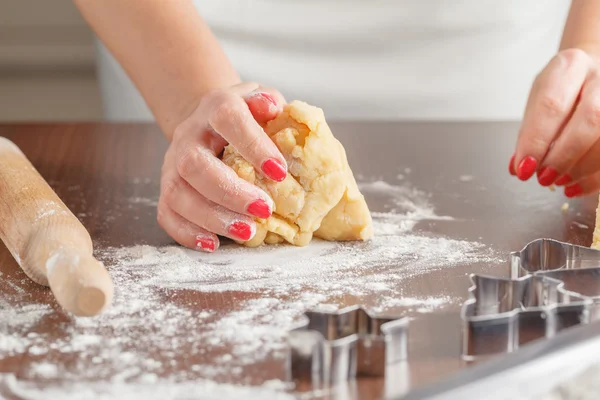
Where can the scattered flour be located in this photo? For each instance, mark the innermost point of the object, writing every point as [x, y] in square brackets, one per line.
[228, 312]
[423, 305]
[15, 324]
[410, 204]
[143, 201]
[43, 370]
[197, 389]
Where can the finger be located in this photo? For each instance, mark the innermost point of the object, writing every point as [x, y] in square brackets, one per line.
[580, 133]
[197, 123]
[230, 117]
[184, 232]
[192, 206]
[214, 180]
[552, 98]
[583, 187]
[244, 87]
[264, 103]
[511, 166]
[587, 165]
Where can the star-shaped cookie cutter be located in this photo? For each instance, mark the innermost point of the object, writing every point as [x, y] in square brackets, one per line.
[330, 347]
[552, 286]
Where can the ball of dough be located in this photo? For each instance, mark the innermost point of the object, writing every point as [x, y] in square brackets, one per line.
[319, 196]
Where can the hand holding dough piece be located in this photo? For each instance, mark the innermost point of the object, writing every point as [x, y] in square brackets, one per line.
[319, 196]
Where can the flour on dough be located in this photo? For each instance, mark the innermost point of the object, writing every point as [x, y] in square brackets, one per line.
[319, 196]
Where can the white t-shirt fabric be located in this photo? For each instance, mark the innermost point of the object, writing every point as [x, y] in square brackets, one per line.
[377, 59]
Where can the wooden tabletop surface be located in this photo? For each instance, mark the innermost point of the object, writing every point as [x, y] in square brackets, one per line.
[108, 175]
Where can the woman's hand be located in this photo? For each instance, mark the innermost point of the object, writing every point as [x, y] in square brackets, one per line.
[200, 196]
[560, 133]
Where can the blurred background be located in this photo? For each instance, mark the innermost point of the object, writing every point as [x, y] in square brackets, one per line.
[47, 67]
[51, 65]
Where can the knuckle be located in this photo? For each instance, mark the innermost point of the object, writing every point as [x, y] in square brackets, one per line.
[253, 147]
[573, 56]
[224, 112]
[553, 105]
[535, 144]
[170, 189]
[179, 130]
[188, 162]
[230, 191]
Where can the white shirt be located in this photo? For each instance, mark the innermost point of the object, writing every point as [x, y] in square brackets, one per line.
[378, 59]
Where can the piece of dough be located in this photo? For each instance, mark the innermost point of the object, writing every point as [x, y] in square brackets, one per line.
[596, 237]
[319, 196]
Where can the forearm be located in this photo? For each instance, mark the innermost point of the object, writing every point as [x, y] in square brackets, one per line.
[582, 29]
[167, 50]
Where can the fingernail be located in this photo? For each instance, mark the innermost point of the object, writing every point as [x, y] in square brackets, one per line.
[267, 100]
[267, 97]
[511, 166]
[241, 230]
[205, 244]
[573, 190]
[563, 180]
[526, 168]
[274, 169]
[546, 176]
[259, 208]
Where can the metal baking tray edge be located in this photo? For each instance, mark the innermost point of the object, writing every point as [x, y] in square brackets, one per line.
[508, 372]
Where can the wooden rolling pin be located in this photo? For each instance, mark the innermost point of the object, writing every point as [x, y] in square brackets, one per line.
[46, 239]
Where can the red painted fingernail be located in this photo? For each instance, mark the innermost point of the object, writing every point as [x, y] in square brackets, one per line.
[274, 169]
[573, 190]
[547, 175]
[259, 208]
[241, 230]
[511, 166]
[526, 168]
[205, 244]
[268, 97]
[563, 180]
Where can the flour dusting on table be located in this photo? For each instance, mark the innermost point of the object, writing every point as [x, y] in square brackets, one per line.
[166, 302]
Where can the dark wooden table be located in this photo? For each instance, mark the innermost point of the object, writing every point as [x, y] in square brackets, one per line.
[98, 168]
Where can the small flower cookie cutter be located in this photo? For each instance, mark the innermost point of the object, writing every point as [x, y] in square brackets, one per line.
[552, 286]
[332, 347]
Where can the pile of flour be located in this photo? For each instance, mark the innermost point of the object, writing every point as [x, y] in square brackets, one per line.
[164, 298]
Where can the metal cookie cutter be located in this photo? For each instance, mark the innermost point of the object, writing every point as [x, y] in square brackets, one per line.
[552, 286]
[330, 347]
[550, 255]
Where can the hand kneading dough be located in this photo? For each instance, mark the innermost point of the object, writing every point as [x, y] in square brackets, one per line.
[319, 195]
